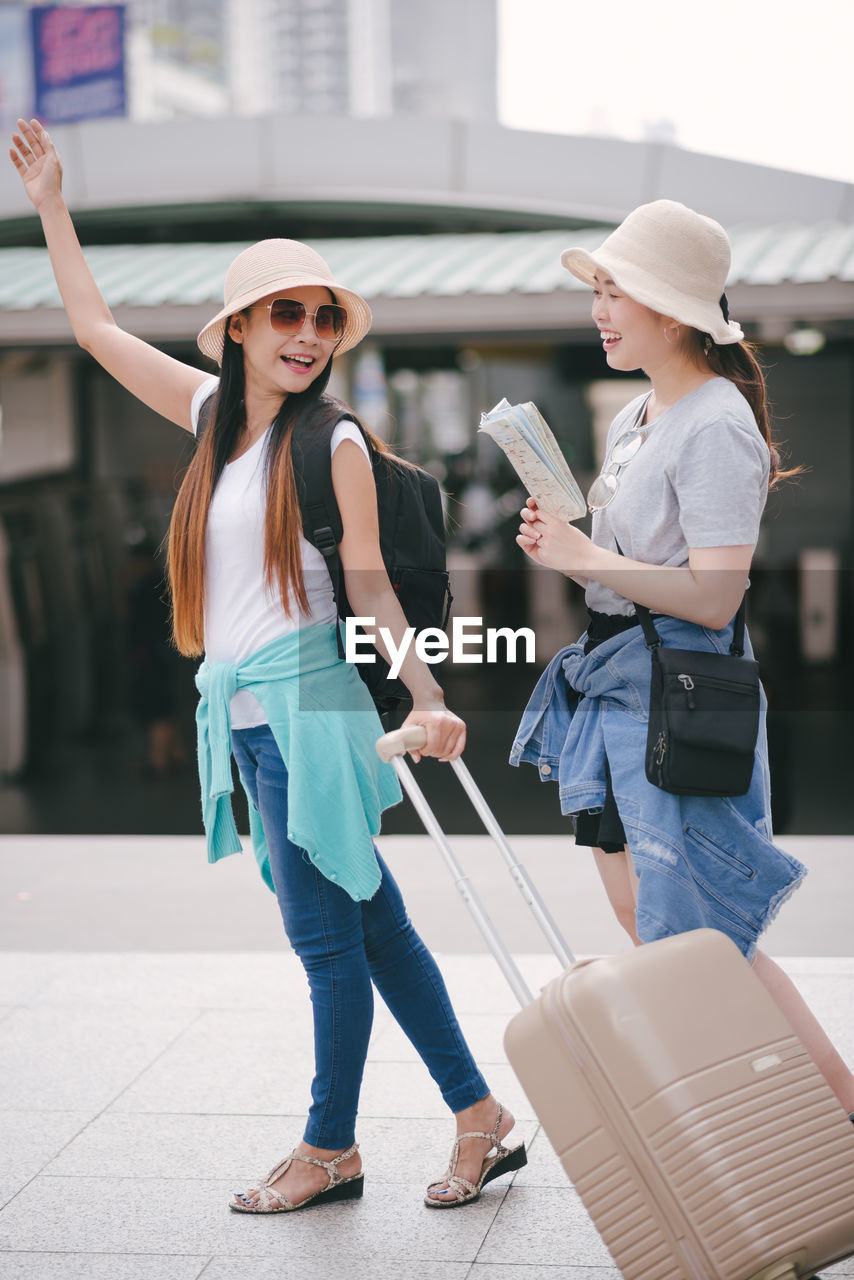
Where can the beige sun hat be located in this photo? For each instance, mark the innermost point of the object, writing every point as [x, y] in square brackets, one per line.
[669, 258]
[273, 265]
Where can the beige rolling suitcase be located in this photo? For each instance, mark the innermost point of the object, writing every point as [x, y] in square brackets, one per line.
[700, 1135]
[698, 1132]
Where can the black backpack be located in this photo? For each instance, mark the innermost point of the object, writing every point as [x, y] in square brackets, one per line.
[412, 531]
[412, 535]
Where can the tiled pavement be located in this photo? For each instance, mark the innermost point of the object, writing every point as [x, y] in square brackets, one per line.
[139, 1087]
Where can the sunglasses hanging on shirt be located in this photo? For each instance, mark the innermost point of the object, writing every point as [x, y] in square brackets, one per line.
[605, 486]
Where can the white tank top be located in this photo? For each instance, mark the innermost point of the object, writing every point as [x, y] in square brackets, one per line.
[242, 613]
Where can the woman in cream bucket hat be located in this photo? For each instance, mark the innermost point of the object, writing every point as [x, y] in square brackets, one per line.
[256, 598]
[668, 258]
[676, 511]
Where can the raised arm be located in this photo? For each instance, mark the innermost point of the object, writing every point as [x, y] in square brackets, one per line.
[164, 384]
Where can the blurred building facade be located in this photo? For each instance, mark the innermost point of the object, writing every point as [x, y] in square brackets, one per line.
[366, 58]
[314, 57]
[451, 227]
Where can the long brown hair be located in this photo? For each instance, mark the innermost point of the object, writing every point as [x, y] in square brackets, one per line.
[737, 361]
[187, 528]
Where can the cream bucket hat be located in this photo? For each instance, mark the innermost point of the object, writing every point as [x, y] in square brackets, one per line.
[669, 258]
[273, 266]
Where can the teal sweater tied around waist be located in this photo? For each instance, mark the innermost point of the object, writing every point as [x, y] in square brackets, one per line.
[326, 726]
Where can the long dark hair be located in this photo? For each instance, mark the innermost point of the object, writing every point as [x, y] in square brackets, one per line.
[282, 556]
[737, 361]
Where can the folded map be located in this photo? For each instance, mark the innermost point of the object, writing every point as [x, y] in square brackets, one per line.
[527, 440]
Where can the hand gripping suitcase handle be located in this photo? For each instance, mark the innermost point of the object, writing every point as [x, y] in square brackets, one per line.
[391, 747]
[400, 741]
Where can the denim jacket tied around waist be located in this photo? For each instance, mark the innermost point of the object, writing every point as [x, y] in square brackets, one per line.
[702, 862]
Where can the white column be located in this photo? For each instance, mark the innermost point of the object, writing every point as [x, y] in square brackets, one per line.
[819, 603]
[606, 398]
[369, 52]
[250, 41]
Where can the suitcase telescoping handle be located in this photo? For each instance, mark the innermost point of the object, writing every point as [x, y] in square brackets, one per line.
[391, 748]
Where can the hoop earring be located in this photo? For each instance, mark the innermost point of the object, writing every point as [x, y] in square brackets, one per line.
[676, 331]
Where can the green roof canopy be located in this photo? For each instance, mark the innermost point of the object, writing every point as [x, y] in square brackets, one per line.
[396, 272]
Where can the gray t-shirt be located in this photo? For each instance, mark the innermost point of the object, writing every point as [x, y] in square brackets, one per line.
[700, 479]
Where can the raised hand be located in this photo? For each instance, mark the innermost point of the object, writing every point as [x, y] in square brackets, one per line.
[36, 159]
[166, 385]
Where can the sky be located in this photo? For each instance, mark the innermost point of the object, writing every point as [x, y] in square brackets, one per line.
[766, 81]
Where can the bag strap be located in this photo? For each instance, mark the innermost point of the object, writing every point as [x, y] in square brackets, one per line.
[322, 525]
[653, 640]
[205, 415]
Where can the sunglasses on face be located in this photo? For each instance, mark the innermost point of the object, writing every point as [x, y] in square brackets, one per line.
[288, 316]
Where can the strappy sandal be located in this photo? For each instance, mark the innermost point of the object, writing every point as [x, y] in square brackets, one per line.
[338, 1188]
[504, 1160]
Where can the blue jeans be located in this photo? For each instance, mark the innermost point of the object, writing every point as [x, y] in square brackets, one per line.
[343, 946]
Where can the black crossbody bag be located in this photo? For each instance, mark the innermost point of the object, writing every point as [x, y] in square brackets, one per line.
[703, 714]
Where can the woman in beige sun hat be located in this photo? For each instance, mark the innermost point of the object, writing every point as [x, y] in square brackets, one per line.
[676, 512]
[252, 595]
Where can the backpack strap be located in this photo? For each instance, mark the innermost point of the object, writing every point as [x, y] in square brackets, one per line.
[206, 414]
[322, 526]
[312, 461]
